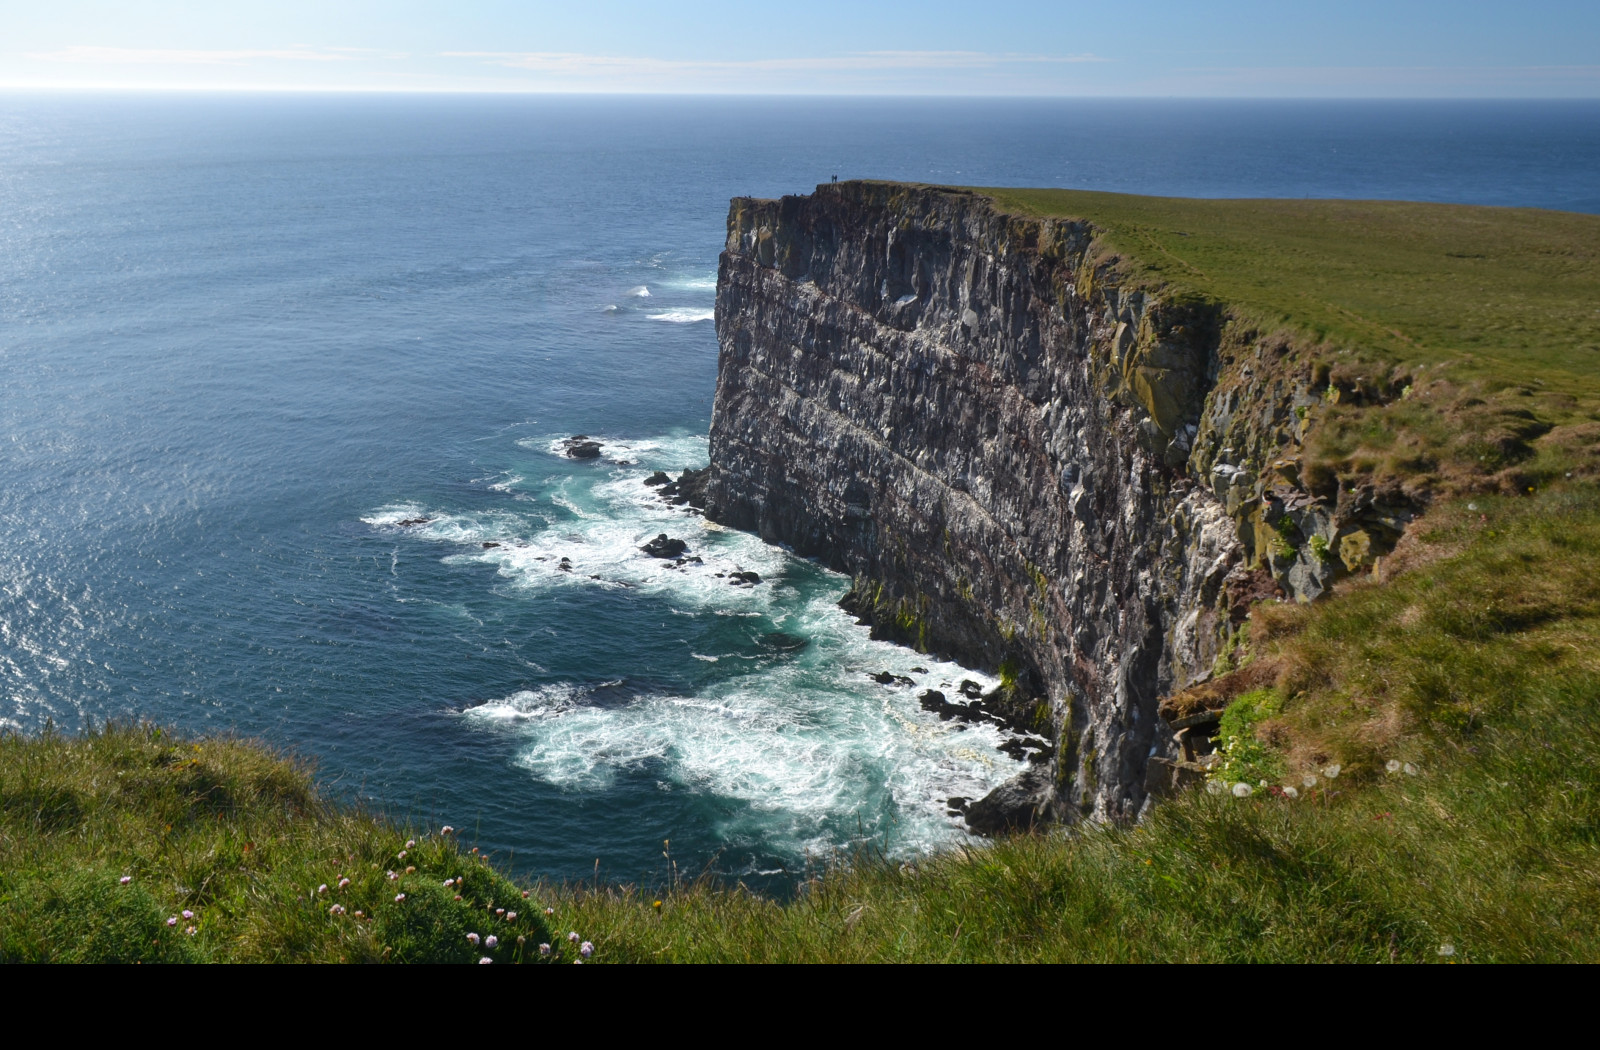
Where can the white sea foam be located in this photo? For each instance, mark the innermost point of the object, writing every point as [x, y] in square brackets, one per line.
[807, 743]
[683, 316]
[640, 291]
[700, 283]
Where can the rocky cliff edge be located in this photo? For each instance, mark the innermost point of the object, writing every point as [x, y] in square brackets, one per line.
[1022, 462]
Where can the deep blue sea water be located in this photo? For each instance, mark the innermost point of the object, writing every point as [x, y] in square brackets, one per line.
[241, 338]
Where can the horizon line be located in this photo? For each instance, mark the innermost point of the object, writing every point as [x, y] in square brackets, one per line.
[329, 89]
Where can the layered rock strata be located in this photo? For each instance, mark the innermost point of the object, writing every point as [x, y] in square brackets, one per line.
[1020, 464]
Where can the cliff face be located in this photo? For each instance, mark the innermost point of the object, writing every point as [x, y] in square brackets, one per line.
[1019, 464]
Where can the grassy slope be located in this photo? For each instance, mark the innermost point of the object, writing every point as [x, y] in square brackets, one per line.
[238, 837]
[1478, 666]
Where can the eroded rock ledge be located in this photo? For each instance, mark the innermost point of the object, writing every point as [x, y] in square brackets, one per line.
[1020, 465]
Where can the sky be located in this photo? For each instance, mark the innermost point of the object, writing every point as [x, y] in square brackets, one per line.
[1161, 48]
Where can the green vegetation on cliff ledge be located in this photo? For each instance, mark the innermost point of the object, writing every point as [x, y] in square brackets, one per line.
[1479, 666]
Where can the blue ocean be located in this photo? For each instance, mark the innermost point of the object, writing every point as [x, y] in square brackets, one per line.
[244, 338]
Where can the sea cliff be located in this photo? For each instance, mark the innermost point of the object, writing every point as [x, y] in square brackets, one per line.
[1026, 461]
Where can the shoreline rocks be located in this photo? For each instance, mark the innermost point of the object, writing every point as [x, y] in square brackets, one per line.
[664, 546]
[581, 446]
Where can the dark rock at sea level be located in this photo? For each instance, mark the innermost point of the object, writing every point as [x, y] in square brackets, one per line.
[1015, 805]
[581, 446]
[747, 578]
[690, 488]
[664, 546]
[660, 477]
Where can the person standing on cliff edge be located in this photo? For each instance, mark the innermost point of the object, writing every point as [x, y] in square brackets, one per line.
[836, 178]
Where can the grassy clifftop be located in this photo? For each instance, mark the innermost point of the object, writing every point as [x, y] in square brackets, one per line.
[1507, 293]
[1454, 347]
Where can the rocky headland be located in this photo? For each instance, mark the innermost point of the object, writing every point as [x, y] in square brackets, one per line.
[1029, 461]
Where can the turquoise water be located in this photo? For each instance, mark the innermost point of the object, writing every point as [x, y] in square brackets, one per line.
[241, 339]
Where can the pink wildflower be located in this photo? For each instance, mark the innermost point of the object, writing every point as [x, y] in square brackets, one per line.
[125, 880]
[446, 830]
[323, 888]
[190, 931]
[337, 909]
[399, 897]
[411, 843]
[544, 949]
[490, 941]
[573, 936]
[586, 949]
[472, 937]
[187, 914]
[173, 921]
[499, 911]
[343, 883]
[511, 916]
[485, 961]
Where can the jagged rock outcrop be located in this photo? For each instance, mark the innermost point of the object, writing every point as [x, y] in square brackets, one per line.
[1020, 464]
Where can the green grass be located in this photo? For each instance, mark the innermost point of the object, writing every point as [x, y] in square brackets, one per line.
[240, 838]
[1497, 292]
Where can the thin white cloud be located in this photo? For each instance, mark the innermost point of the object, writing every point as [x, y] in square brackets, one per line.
[114, 56]
[570, 63]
